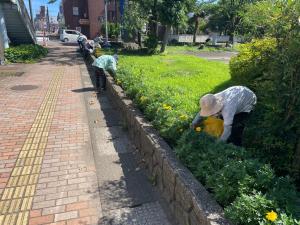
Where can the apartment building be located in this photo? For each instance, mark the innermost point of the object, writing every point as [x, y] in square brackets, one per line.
[87, 16]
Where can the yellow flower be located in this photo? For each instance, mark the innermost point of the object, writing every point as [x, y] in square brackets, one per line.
[198, 129]
[272, 216]
[143, 99]
[118, 82]
[183, 117]
[167, 107]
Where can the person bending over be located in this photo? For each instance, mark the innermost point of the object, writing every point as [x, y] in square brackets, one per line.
[104, 63]
[233, 105]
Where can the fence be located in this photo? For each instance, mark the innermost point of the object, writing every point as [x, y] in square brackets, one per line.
[188, 38]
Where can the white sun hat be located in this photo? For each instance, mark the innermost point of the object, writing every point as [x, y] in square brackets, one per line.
[210, 105]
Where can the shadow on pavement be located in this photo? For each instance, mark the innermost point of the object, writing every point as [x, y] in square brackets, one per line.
[61, 56]
[127, 196]
[88, 89]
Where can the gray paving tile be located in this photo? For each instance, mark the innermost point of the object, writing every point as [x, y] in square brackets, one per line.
[107, 118]
[122, 183]
[112, 140]
[146, 214]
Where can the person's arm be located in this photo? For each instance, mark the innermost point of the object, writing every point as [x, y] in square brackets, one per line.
[226, 133]
[113, 67]
[196, 121]
[228, 116]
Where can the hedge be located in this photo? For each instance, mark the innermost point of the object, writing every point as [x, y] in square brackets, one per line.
[25, 53]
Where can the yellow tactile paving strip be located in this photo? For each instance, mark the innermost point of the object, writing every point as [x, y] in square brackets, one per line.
[16, 199]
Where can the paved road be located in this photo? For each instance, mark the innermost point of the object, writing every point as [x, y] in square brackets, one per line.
[221, 56]
[64, 156]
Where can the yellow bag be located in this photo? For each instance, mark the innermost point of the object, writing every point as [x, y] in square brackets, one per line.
[213, 126]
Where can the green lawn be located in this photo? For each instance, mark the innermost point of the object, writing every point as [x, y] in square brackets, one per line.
[177, 80]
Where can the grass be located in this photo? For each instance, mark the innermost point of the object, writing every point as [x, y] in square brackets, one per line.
[167, 89]
[188, 77]
[177, 80]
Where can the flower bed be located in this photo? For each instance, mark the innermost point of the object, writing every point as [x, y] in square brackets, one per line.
[167, 90]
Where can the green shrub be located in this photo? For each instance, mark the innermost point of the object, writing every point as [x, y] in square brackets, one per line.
[230, 172]
[252, 210]
[151, 44]
[269, 68]
[25, 53]
[250, 66]
[249, 209]
[113, 29]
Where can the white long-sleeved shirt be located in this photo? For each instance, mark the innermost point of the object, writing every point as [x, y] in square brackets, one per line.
[235, 100]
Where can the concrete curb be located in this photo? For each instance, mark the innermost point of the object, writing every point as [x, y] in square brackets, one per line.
[188, 200]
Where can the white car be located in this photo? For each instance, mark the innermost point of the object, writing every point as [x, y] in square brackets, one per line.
[70, 35]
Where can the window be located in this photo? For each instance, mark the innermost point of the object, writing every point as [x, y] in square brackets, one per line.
[70, 32]
[75, 11]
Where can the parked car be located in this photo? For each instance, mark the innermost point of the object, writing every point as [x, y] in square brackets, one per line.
[70, 35]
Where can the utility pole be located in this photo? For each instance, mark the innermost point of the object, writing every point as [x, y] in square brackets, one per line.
[48, 21]
[106, 31]
[30, 9]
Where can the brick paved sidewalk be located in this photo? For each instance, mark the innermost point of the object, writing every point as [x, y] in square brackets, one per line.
[47, 171]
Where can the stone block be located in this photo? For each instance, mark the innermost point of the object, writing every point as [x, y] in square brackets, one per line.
[183, 195]
[157, 171]
[180, 214]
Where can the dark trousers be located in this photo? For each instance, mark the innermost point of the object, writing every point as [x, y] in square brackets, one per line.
[100, 78]
[238, 126]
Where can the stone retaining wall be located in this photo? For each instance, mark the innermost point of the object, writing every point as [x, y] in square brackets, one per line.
[188, 200]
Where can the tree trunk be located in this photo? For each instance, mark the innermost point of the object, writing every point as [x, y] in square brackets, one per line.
[153, 19]
[196, 29]
[139, 39]
[165, 38]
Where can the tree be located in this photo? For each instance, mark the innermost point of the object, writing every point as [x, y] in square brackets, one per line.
[134, 20]
[257, 21]
[200, 10]
[173, 13]
[227, 15]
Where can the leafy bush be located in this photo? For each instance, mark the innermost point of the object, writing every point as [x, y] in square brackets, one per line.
[25, 53]
[253, 210]
[246, 187]
[113, 29]
[272, 133]
[253, 61]
[151, 44]
[249, 209]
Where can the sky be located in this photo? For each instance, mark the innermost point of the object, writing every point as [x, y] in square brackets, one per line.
[53, 8]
